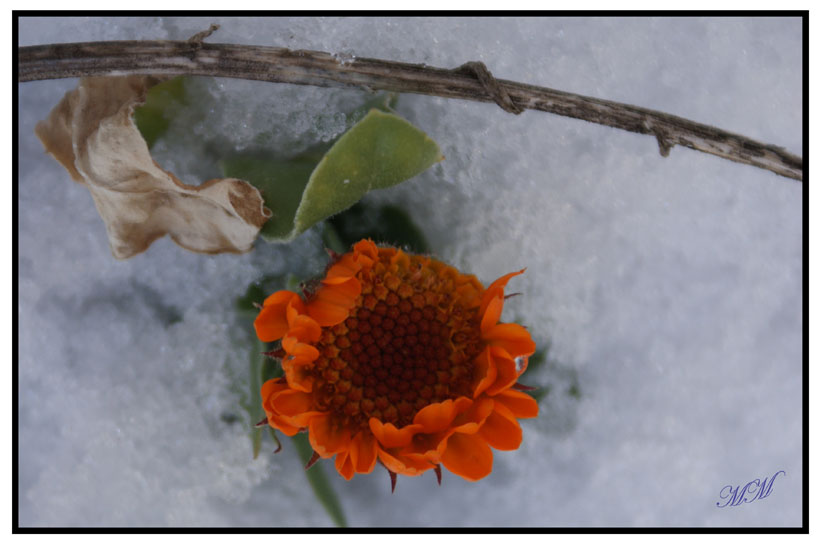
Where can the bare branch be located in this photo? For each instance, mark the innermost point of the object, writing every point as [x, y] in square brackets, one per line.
[471, 81]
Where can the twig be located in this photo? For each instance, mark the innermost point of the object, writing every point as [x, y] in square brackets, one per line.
[470, 81]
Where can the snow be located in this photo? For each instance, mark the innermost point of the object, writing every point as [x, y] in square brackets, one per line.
[670, 289]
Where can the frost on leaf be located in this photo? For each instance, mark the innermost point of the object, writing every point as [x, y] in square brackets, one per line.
[91, 133]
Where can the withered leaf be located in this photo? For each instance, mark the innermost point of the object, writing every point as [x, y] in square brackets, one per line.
[91, 133]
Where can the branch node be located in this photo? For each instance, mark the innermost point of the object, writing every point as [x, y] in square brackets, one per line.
[491, 85]
[197, 39]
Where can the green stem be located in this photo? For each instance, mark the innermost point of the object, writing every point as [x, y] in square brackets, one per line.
[255, 404]
[319, 482]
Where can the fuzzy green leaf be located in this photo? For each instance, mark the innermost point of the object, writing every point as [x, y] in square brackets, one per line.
[379, 151]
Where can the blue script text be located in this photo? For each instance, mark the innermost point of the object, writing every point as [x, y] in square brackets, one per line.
[757, 490]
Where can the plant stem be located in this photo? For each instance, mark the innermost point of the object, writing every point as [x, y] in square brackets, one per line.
[471, 81]
[319, 482]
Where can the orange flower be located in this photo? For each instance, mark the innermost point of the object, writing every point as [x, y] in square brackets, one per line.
[398, 358]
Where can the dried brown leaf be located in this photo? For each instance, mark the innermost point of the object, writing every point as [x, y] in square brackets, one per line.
[92, 134]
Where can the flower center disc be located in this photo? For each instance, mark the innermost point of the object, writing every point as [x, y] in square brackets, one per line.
[410, 340]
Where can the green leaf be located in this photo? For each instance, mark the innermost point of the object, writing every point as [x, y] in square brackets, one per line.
[260, 367]
[379, 151]
[256, 442]
[319, 482]
[152, 117]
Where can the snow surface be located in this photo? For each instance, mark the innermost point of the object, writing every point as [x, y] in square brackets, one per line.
[670, 289]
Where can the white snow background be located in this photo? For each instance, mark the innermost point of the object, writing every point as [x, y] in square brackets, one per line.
[670, 289]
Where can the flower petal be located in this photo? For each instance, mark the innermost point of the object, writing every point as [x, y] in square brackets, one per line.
[506, 371]
[327, 436]
[426, 447]
[272, 322]
[271, 387]
[389, 436]
[367, 249]
[438, 416]
[485, 371]
[514, 338]
[270, 390]
[299, 353]
[303, 327]
[283, 297]
[364, 452]
[494, 289]
[390, 461]
[342, 271]
[468, 456]
[501, 429]
[298, 376]
[470, 421]
[331, 303]
[292, 403]
[520, 404]
[345, 465]
[492, 313]
[286, 409]
[287, 429]
[404, 464]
